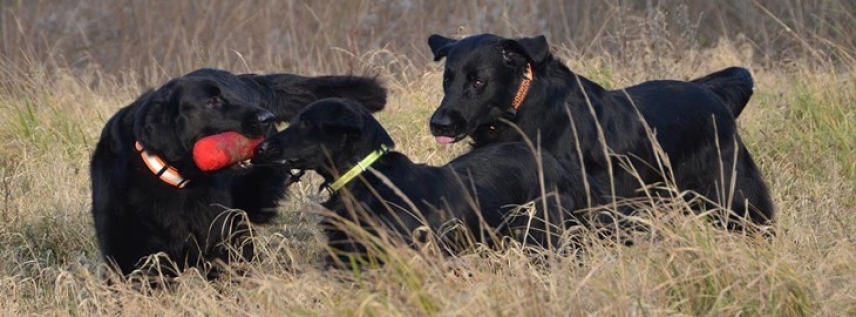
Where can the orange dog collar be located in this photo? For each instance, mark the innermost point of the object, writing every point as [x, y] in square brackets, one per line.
[161, 169]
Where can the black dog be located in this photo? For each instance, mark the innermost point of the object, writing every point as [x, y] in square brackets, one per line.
[491, 83]
[148, 196]
[477, 190]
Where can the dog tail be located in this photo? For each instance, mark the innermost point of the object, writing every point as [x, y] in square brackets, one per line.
[369, 91]
[291, 93]
[734, 85]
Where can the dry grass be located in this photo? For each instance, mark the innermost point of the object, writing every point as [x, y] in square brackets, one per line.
[67, 66]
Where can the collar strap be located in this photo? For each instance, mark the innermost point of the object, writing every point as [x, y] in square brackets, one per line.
[167, 174]
[528, 76]
[358, 169]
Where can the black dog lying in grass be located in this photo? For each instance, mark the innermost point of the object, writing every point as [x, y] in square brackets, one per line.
[492, 83]
[374, 188]
[148, 195]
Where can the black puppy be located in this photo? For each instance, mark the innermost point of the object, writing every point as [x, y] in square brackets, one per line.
[148, 196]
[491, 82]
[374, 187]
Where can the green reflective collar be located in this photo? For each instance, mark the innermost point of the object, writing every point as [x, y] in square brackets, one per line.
[358, 169]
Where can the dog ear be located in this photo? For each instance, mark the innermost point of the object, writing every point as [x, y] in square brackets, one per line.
[378, 134]
[359, 128]
[528, 49]
[118, 132]
[440, 45]
[155, 121]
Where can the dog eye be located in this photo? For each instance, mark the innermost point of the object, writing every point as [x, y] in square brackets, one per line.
[478, 84]
[214, 102]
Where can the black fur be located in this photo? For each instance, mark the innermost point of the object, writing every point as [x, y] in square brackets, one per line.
[136, 214]
[694, 122]
[330, 136]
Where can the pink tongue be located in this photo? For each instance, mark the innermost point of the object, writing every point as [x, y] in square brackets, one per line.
[444, 139]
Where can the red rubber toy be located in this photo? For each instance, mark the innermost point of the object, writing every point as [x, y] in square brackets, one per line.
[217, 151]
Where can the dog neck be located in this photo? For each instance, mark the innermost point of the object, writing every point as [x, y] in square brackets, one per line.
[522, 91]
[161, 169]
[358, 169]
[528, 76]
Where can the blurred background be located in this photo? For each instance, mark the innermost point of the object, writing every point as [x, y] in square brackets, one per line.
[149, 41]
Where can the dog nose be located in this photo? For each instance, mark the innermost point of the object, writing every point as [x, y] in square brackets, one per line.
[265, 116]
[441, 124]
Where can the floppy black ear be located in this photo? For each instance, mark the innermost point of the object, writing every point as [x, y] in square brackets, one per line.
[155, 122]
[440, 45]
[361, 129]
[345, 124]
[528, 49]
[118, 132]
[376, 135]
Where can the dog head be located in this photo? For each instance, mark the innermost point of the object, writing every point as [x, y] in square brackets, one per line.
[175, 116]
[329, 131]
[482, 76]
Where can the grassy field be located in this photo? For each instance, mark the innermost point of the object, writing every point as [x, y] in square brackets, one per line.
[66, 66]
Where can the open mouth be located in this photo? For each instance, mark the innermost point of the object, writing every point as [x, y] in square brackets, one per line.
[295, 173]
[241, 166]
[289, 161]
[244, 164]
